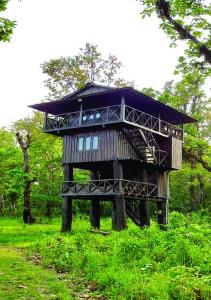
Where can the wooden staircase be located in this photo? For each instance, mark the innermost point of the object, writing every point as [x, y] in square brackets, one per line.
[146, 147]
[133, 211]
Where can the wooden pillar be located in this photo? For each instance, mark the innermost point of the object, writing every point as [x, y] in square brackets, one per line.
[45, 120]
[144, 205]
[95, 207]
[162, 214]
[95, 214]
[163, 192]
[119, 221]
[144, 213]
[67, 201]
[122, 114]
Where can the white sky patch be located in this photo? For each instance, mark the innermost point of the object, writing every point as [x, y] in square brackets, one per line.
[48, 28]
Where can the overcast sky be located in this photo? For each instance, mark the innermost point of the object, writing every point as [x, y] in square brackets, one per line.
[50, 28]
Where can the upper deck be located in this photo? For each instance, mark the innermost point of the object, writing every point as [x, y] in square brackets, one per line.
[116, 114]
[102, 106]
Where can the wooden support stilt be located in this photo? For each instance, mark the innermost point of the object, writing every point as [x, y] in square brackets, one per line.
[67, 201]
[162, 214]
[144, 213]
[119, 221]
[95, 214]
[144, 205]
[162, 206]
[95, 210]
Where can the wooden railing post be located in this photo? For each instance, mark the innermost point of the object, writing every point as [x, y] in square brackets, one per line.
[45, 119]
[81, 114]
[122, 110]
[159, 124]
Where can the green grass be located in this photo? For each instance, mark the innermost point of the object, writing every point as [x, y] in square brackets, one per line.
[133, 264]
[20, 279]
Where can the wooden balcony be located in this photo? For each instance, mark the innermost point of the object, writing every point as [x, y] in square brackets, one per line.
[109, 187]
[110, 115]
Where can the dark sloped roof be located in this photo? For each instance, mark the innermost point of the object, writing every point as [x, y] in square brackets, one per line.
[95, 95]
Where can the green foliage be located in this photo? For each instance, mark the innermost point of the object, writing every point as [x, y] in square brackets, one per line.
[6, 25]
[137, 264]
[66, 74]
[185, 20]
[11, 175]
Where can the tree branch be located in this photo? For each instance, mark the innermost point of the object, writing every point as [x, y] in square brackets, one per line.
[191, 156]
[164, 11]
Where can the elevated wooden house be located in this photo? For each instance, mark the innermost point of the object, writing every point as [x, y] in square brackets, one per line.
[127, 140]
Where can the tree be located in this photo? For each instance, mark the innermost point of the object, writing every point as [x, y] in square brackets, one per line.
[42, 168]
[25, 143]
[6, 25]
[185, 20]
[188, 96]
[66, 74]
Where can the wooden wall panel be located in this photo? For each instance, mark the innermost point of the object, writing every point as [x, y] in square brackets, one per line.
[162, 181]
[107, 149]
[176, 154]
[124, 149]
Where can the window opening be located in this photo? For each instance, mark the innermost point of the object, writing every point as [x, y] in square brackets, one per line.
[95, 142]
[88, 143]
[80, 144]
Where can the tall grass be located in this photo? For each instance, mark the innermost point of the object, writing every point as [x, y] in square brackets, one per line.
[137, 264]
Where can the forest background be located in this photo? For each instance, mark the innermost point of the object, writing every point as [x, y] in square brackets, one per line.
[41, 175]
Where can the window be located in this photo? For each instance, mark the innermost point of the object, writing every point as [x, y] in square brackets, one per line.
[88, 143]
[95, 142]
[80, 144]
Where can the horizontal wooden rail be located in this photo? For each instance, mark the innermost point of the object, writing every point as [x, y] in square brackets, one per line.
[135, 116]
[110, 187]
[111, 114]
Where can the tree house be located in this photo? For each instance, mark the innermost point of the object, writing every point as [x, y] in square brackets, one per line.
[128, 141]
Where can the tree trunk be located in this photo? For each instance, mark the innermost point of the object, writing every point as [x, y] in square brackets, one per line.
[48, 209]
[25, 144]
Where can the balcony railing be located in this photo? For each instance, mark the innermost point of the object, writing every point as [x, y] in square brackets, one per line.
[111, 114]
[112, 187]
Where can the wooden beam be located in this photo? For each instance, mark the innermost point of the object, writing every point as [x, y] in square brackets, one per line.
[144, 213]
[162, 212]
[95, 214]
[163, 192]
[67, 201]
[122, 114]
[119, 221]
[144, 204]
[95, 206]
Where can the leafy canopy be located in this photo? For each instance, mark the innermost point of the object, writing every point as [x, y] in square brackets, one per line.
[187, 20]
[66, 74]
[6, 25]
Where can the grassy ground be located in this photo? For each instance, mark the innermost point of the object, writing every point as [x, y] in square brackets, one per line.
[134, 264]
[20, 278]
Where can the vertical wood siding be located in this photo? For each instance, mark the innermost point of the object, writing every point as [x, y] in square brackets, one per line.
[124, 149]
[176, 154]
[106, 147]
[112, 145]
